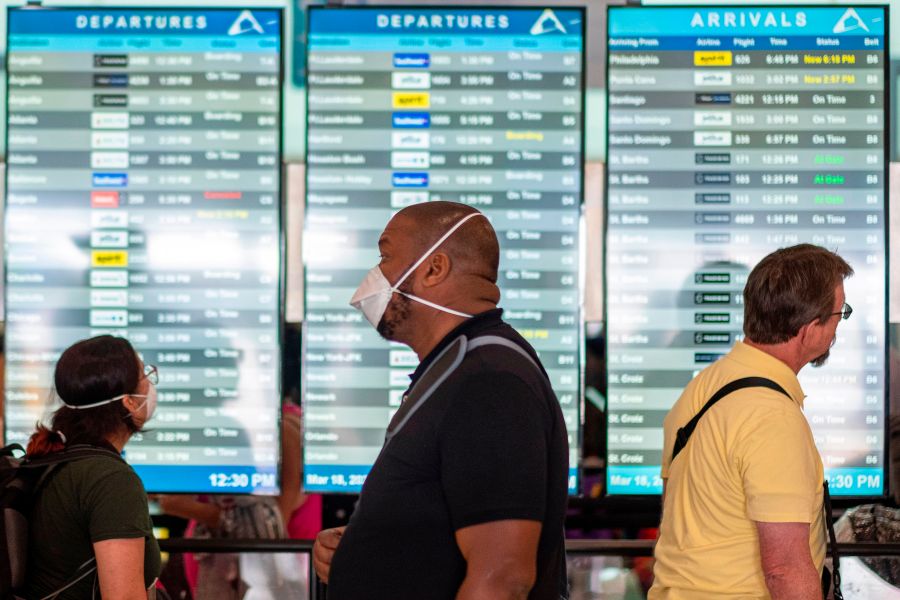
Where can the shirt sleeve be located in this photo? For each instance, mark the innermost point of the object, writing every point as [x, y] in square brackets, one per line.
[116, 505]
[493, 449]
[680, 414]
[778, 468]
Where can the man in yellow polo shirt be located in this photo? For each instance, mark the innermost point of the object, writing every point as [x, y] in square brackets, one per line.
[742, 509]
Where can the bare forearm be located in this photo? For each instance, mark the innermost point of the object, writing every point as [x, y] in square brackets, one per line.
[203, 512]
[786, 561]
[799, 583]
[487, 589]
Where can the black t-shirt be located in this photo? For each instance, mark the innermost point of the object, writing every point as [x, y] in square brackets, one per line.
[489, 444]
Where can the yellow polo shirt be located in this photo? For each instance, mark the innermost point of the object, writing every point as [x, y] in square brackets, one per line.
[751, 458]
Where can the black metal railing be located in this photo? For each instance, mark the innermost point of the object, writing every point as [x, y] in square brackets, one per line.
[317, 590]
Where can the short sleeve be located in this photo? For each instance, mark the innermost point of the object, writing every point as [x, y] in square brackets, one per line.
[493, 449]
[680, 415]
[778, 468]
[116, 505]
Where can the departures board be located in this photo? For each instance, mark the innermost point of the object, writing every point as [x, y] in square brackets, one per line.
[734, 131]
[410, 105]
[143, 200]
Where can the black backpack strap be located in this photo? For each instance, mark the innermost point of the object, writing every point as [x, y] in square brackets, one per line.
[50, 462]
[684, 433]
[71, 453]
[835, 557]
[11, 450]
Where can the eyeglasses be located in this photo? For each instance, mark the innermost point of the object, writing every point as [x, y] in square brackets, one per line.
[151, 373]
[845, 312]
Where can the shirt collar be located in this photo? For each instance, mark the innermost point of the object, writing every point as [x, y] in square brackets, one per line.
[769, 366]
[470, 328]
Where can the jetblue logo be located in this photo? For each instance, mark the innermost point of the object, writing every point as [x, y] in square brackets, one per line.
[411, 120]
[412, 180]
[110, 179]
[412, 61]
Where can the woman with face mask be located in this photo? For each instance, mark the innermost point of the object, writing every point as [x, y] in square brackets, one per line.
[90, 533]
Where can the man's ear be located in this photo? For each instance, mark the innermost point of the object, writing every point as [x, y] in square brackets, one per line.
[808, 334]
[438, 270]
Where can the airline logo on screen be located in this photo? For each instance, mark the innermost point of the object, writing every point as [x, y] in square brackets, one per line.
[246, 22]
[548, 22]
[850, 21]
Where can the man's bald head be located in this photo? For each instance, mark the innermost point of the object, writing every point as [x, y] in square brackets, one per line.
[449, 283]
[473, 248]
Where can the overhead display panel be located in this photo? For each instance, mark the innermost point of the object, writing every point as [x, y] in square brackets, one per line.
[735, 131]
[143, 200]
[409, 105]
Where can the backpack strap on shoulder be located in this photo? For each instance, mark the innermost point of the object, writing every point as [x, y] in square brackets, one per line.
[71, 453]
[684, 433]
[496, 340]
[51, 462]
[11, 450]
[441, 368]
[434, 376]
[87, 568]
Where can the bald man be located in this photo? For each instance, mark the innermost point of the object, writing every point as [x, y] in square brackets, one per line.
[467, 497]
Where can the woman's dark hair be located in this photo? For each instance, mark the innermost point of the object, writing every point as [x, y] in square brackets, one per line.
[89, 371]
[790, 288]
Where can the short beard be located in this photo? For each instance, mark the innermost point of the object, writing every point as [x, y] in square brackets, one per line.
[821, 359]
[398, 311]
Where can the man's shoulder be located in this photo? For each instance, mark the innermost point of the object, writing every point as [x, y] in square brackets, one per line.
[749, 402]
[502, 349]
[504, 366]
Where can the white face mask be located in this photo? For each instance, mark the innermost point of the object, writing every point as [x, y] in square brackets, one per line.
[374, 293]
[149, 400]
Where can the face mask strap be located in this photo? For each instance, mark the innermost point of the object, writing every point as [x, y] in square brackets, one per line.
[434, 247]
[435, 306]
[102, 402]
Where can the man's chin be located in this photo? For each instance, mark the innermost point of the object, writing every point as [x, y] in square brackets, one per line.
[396, 313]
[386, 330]
[820, 360]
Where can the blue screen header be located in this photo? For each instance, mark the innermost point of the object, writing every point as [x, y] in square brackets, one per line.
[829, 21]
[449, 21]
[237, 24]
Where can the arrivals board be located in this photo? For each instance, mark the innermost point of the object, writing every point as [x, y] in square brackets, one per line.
[409, 105]
[735, 131]
[143, 200]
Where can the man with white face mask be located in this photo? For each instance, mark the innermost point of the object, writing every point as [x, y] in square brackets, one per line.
[467, 497]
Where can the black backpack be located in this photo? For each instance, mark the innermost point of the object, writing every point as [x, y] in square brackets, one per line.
[21, 479]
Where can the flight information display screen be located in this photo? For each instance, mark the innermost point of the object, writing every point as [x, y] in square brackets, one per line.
[143, 200]
[733, 132]
[410, 105]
